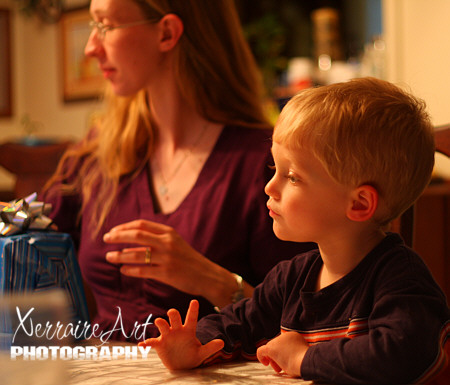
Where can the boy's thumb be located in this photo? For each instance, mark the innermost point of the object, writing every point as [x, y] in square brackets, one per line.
[211, 348]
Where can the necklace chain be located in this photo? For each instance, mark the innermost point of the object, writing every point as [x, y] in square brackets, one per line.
[163, 188]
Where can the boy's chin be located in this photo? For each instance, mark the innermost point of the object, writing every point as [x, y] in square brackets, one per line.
[283, 236]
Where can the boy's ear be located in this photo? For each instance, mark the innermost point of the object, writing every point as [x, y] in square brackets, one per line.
[364, 203]
[171, 29]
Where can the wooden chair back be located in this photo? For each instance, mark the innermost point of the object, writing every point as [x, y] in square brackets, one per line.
[406, 225]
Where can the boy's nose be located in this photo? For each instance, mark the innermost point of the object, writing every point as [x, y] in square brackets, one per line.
[271, 189]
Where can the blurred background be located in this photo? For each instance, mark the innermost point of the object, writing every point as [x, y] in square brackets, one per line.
[297, 43]
[49, 93]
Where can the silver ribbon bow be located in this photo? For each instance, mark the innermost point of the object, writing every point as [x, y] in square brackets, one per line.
[24, 214]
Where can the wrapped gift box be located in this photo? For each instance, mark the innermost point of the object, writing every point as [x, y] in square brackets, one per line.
[35, 259]
[38, 261]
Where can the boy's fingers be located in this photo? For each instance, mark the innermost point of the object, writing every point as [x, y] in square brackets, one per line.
[175, 319]
[275, 366]
[162, 326]
[261, 354]
[149, 342]
[192, 315]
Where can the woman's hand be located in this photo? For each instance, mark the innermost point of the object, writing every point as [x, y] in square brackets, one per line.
[177, 346]
[172, 261]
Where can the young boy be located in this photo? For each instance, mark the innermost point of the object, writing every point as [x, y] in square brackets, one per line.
[363, 308]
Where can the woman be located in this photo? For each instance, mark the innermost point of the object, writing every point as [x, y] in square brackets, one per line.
[169, 186]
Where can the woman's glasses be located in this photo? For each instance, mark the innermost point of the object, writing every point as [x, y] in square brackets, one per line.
[103, 28]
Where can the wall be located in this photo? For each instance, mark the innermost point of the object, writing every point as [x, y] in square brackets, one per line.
[418, 54]
[417, 34]
[37, 85]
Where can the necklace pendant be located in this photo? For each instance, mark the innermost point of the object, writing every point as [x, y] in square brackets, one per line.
[163, 189]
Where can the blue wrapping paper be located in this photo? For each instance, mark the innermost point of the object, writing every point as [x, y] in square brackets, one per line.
[39, 261]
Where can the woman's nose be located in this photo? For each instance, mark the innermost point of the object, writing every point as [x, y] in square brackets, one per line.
[93, 47]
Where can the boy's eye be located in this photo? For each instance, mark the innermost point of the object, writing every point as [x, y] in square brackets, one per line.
[292, 178]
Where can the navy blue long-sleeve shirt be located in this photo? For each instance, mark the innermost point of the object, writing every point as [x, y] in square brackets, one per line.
[386, 321]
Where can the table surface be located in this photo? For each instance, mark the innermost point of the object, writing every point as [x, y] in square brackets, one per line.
[151, 371]
[148, 371]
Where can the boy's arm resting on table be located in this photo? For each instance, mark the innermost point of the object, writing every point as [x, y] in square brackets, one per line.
[401, 340]
[249, 323]
[407, 330]
[235, 331]
[407, 326]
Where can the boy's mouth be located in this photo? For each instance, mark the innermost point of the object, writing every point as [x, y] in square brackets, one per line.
[272, 213]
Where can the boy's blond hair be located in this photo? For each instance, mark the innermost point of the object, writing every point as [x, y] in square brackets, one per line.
[365, 131]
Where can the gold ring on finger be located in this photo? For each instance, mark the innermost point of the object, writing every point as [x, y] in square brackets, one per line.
[148, 256]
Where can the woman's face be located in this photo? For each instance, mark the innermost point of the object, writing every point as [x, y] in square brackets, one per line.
[129, 57]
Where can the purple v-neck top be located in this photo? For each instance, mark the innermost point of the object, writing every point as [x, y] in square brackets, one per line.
[224, 217]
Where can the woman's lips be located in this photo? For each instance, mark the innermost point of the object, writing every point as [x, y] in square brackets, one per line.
[107, 72]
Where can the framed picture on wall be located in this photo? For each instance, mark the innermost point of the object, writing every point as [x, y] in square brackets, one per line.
[82, 79]
[5, 63]
[69, 5]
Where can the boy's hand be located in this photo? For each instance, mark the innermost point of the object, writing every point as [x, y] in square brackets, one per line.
[177, 346]
[284, 353]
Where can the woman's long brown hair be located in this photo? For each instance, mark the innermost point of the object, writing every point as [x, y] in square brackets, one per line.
[217, 75]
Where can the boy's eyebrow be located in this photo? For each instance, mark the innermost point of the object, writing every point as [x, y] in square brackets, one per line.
[271, 147]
